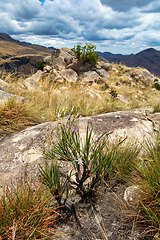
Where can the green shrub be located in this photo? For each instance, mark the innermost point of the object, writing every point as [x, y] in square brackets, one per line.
[113, 93]
[86, 53]
[155, 80]
[157, 86]
[51, 177]
[40, 64]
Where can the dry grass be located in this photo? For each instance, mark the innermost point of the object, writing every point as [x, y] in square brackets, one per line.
[53, 100]
[15, 117]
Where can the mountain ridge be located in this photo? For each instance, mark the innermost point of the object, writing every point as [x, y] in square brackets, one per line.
[148, 58]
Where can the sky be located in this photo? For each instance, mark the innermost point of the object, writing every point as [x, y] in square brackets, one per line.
[117, 26]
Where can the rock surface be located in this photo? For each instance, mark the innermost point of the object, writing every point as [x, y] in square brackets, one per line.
[23, 151]
[32, 82]
[4, 97]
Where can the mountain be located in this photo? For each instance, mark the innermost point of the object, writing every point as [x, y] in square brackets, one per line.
[108, 55]
[10, 47]
[148, 58]
[22, 57]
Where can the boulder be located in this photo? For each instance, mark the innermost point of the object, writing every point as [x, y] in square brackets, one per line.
[69, 75]
[32, 82]
[102, 72]
[47, 59]
[105, 65]
[22, 151]
[65, 53]
[4, 97]
[59, 63]
[92, 75]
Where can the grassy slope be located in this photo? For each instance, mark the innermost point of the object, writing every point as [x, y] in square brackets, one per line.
[8, 48]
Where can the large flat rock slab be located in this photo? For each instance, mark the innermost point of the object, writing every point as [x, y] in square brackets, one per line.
[20, 153]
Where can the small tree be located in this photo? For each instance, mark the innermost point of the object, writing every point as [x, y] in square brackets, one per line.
[87, 53]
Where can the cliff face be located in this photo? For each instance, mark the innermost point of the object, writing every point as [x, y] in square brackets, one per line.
[25, 64]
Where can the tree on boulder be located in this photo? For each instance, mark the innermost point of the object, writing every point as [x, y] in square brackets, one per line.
[86, 53]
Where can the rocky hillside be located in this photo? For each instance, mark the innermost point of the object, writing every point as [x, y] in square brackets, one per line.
[62, 66]
[100, 81]
[16, 56]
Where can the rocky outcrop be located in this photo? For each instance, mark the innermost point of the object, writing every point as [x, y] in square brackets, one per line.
[140, 74]
[71, 69]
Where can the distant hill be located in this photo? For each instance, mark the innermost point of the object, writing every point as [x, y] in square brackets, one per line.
[22, 57]
[108, 55]
[10, 47]
[148, 58]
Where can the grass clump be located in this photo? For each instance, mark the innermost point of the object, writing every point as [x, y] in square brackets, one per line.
[24, 212]
[91, 160]
[148, 180]
[14, 116]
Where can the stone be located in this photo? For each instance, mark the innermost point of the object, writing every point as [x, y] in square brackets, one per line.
[32, 82]
[118, 84]
[65, 53]
[131, 195]
[23, 151]
[4, 97]
[90, 75]
[103, 73]
[59, 63]
[47, 59]
[106, 66]
[140, 74]
[69, 75]
[123, 98]
[101, 80]
[47, 69]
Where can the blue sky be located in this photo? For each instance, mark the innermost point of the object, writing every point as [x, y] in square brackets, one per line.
[118, 26]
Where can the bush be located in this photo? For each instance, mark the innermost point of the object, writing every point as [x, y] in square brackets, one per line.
[86, 53]
[113, 93]
[40, 64]
[157, 86]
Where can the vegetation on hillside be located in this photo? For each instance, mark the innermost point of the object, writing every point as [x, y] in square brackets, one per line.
[57, 99]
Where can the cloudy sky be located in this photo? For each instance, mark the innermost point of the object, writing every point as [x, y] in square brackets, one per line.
[117, 26]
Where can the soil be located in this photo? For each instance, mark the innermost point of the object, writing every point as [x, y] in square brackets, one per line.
[105, 218]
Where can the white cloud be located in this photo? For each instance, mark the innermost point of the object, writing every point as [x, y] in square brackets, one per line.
[106, 23]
